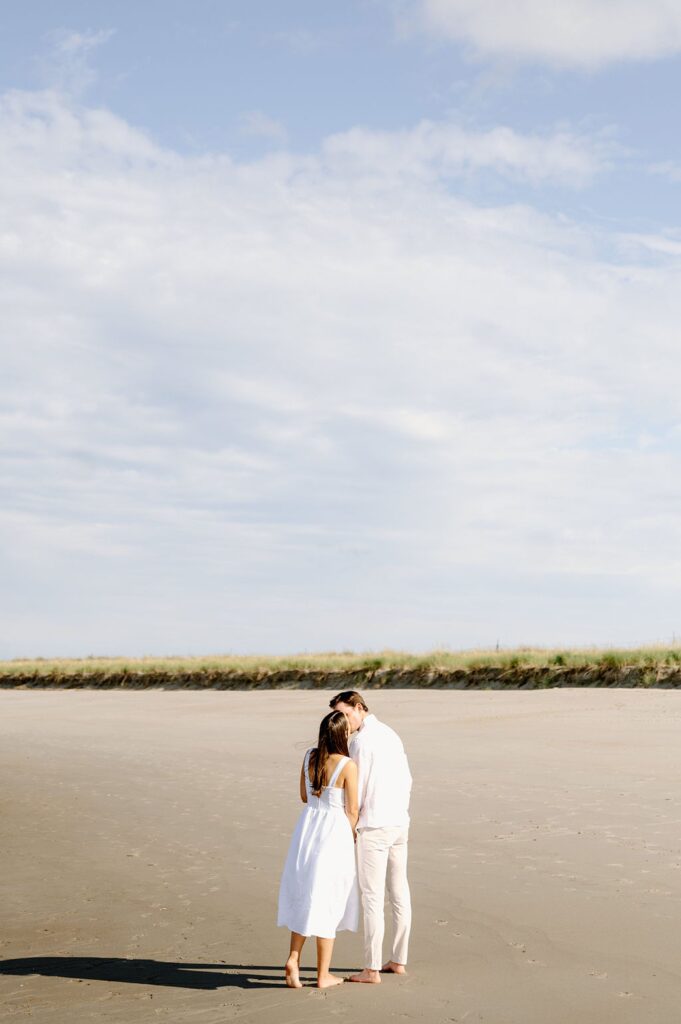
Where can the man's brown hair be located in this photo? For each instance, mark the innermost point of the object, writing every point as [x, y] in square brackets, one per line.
[351, 697]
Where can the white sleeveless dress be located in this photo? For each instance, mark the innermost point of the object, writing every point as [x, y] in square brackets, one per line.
[318, 894]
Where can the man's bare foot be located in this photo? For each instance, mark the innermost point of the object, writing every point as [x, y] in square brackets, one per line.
[292, 976]
[328, 981]
[393, 968]
[367, 977]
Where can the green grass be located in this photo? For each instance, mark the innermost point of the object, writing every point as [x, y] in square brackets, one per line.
[348, 661]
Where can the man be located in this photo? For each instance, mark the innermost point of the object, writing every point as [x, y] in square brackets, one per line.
[384, 787]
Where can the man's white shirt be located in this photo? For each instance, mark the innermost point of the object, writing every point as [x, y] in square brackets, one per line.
[384, 779]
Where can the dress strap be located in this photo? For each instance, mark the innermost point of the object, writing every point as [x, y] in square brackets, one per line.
[339, 769]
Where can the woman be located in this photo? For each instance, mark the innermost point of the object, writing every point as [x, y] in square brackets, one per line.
[319, 894]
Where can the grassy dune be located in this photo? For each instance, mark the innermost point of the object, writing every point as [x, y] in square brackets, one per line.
[643, 666]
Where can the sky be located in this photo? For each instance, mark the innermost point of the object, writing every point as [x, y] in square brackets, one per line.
[339, 326]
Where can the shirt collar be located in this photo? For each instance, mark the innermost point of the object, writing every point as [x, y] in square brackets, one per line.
[368, 720]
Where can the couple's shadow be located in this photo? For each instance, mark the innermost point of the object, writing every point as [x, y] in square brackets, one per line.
[172, 974]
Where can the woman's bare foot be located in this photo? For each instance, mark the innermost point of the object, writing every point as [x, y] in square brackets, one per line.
[393, 968]
[367, 977]
[292, 976]
[328, 981]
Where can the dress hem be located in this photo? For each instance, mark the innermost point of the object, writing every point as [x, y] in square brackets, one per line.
[311, 935]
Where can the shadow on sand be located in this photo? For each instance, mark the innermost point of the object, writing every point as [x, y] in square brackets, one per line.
[179, 974]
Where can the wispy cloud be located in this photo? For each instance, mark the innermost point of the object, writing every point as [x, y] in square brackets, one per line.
[222, 381]
[254, 122]
[68, 67]
[435, 149]
[668, 244]
[669, 169]
[585, 34]
[301, 40]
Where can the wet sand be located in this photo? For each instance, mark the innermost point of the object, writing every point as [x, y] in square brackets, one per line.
[142, 835]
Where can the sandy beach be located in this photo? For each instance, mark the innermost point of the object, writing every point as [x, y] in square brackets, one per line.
[143, 834]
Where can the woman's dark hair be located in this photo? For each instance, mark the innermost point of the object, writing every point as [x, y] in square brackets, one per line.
[333, 739]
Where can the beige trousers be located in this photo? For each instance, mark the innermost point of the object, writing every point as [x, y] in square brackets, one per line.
[381, 859]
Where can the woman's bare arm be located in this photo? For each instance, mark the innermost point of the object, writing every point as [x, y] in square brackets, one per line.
[303, 788]
[351, 800]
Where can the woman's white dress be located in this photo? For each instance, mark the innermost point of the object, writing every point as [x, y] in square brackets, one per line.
[318, 894]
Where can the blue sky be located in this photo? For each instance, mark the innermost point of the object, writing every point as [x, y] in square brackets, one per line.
[339, 326]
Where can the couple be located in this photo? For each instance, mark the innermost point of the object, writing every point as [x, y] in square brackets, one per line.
[356, 785]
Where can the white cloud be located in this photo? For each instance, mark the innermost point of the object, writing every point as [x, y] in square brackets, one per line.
[571, 33]
[296, 404]
[435, 149]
